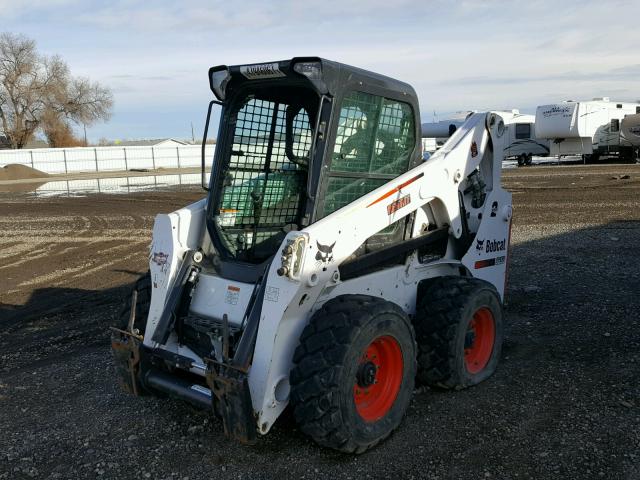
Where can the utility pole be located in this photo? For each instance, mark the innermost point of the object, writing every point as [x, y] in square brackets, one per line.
[85, 134]
[193, 136]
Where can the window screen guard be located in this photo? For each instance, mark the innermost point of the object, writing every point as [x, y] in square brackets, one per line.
[262, 187]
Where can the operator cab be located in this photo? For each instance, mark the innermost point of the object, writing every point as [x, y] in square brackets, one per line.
[298, 140]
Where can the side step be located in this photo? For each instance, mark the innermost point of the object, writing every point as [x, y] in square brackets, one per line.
[179, 388]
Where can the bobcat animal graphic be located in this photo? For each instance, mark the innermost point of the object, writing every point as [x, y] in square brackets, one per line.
[479, 245]
[325, 252]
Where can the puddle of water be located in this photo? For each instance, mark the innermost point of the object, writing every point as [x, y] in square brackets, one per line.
[508, 164]
[124, 185]
[118, 185]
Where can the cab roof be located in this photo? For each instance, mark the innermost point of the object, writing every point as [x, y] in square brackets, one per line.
[335, 77]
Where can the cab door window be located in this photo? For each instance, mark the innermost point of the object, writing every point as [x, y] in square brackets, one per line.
[374, 141]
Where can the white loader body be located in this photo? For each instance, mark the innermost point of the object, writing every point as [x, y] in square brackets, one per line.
[432, 190]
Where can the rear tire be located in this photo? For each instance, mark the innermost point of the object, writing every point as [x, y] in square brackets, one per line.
[458, 325]
[528, 160]
[521, 160]
[354, 372]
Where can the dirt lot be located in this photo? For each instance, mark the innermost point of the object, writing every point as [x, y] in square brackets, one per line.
[565, 402]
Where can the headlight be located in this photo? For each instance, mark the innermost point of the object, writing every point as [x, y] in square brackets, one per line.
[293, 258]
[311, 70]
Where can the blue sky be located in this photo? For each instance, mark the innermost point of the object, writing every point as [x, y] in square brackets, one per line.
[462, 55]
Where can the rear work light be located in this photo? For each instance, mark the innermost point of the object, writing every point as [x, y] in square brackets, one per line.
[219, 81]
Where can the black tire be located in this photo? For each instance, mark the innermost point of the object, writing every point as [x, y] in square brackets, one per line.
[521, 160]
[528, 159]
[143, 287]
[443, 318]
[120, 343]
[330, 373]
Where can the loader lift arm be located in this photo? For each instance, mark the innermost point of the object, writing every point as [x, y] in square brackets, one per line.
[436, 183]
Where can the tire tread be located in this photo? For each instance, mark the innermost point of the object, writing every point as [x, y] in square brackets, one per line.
[315, 375]
[436, 324]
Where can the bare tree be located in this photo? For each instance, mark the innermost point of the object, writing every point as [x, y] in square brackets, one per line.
[38, 92]
[58, 132]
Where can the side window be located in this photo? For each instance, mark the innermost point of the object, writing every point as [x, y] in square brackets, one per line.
[301, 142]
[523, 131]
[374, 141]
[615, 125]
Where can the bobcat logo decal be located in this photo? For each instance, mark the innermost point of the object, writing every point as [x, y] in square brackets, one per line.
[494, 209]
[479, 245]
[325, 252]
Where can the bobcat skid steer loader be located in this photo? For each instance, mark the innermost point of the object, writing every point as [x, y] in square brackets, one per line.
[329, 268]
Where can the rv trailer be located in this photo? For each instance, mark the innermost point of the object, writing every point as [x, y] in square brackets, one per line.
[434, 134]
[590, 128]
[521, 142]
[630, 135]
[441, 129]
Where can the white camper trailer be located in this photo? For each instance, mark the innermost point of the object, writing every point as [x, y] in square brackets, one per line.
[630, 135]
[441, 129]
[521, 142]
[434, 134]
[588, 128]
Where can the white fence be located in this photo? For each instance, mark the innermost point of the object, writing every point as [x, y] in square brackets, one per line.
[99, 159]
[116, 185]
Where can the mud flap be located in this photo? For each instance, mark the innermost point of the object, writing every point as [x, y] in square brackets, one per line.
[231, 388]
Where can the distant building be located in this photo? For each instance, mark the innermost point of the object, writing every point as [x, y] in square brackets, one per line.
[158, 142]
[5, 144]
[36, 143]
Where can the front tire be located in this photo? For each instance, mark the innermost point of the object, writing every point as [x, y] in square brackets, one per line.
[459, 331]
[354, 372]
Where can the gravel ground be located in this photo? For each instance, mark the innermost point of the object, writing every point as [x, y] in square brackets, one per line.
[565, 402]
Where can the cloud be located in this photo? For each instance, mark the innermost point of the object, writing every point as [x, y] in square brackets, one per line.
[468, 54]
[626, 73]
[10, 9]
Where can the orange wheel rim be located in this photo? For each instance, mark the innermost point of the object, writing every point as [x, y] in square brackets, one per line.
[378, 378]
[479, 340]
